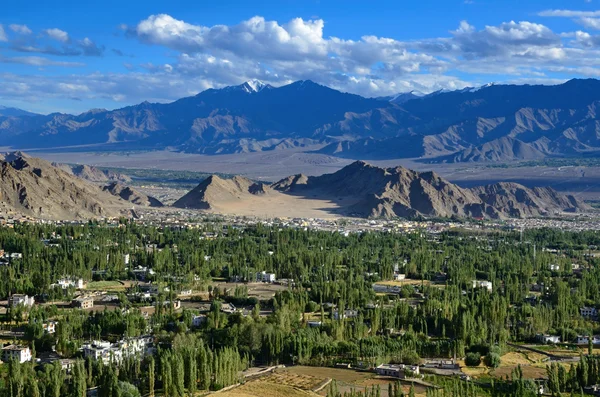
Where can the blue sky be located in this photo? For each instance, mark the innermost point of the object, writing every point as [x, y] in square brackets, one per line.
[71, 56]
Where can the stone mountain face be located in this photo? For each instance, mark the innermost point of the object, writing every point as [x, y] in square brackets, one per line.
[131, 195]
[370, 191]
[34, 187]
[490, 123]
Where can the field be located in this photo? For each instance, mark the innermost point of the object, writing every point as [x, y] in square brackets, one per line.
[261, 291]
[347, 379]
[400, 283]
[532, 364]
[265, 388]
[105, 286]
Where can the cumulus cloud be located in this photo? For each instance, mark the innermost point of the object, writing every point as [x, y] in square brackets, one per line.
[254, 37]
[57, 34]
[590, 23]
[21, 29]
[504, 39]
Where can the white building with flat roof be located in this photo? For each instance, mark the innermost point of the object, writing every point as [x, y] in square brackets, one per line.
[21, 300]
[19, 353]
[397, 370]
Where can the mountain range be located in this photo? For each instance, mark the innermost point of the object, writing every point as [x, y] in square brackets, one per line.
[488, 123]
[365, 190]
[37, 188]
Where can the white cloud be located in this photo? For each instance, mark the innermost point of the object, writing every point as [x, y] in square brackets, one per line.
[254, 37]
[569, 13]
[590, 23]
[38, 61]
[203, 57]
[21, 29]
[3, 34]
[57, 34]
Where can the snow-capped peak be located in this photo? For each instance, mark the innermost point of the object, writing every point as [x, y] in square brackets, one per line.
[253, 86]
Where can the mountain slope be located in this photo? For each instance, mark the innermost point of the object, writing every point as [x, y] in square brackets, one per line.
[14, 112]
[34, 187]
[214, 191]
[93, 174]
[131, 195]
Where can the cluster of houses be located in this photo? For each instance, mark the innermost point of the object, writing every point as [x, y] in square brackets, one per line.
[581, 339]
[108, 352]
[6, 257]
[68, 282]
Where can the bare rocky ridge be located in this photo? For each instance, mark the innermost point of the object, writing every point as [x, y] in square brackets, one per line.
[131, 195]
[93, 174]
[34, 187]
[364, 190]
[211, 193]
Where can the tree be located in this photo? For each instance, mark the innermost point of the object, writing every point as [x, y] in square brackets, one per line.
[151, 380]
[492, 360]
[473, 359]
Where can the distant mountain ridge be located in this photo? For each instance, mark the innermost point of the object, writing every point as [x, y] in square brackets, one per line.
[488, 123]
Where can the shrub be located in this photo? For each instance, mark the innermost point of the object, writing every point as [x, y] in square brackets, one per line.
[473, 359]
[492, 360]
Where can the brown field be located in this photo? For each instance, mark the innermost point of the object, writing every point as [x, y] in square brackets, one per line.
[532, 364]
[347, 379]
[264, 388]
[400, 283]
[257, 290]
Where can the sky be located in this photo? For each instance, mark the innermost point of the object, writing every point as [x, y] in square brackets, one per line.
[71, 55]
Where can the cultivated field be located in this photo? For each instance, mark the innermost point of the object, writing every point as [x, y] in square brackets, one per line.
[265, 388]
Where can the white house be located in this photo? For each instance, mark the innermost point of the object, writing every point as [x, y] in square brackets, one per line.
[49, 327]
[554, 267]
[265, 277]
[198, 320]
[544, 338]
[483, 284]
[16, 352]
[584, 340]
[397, 370]
[67, 282]
[399, 277]
[21, 300]
[588, 312]
[348, 313]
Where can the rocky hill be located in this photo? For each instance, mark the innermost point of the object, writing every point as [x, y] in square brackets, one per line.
[215, 191]
[131, 195]
[364, 190]
[34, 187]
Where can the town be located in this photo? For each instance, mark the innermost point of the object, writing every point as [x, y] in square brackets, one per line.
[139, 294]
